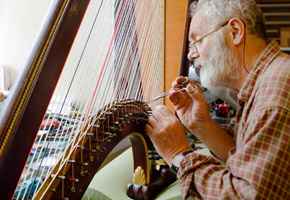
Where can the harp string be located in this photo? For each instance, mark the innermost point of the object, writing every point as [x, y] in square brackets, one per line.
[130, 69]
[134, 49]
[152, 59]
[130, 55]
[103, 68]
[100, 79]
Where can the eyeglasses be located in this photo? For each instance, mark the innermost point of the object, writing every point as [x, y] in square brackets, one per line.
[193, 45]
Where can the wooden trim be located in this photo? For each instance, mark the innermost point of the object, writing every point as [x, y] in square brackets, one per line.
[184, 63]
[175, 12]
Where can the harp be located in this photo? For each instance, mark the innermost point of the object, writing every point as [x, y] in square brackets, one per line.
[111, 53]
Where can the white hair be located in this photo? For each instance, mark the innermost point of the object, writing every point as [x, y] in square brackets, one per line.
[220, 11]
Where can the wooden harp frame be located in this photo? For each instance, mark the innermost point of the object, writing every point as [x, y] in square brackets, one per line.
[28, 101]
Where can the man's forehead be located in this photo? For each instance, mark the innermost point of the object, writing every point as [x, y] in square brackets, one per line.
[199, 22]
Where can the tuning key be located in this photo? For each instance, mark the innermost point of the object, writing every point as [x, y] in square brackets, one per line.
[71, 179]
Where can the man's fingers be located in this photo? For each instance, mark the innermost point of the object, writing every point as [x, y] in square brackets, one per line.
[163, 111]
[148, 128]
[194, 91]
[180, 80]
[152, 122]
[158, 115]
[180, 98]
[174, 100]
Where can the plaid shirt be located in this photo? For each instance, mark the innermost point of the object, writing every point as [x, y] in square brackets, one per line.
[258, 167]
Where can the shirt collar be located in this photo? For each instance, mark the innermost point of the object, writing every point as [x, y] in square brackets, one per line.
[266, 57]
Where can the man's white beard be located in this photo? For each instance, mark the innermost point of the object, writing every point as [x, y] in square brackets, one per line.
[221, 68]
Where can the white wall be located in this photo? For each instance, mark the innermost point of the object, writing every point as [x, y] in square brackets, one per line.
[20, 22]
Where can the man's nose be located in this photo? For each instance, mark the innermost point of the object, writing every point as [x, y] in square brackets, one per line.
[192, 55]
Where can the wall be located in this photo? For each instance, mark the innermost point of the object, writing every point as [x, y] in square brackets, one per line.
[20, 22]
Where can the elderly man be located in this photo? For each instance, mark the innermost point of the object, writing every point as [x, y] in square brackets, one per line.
[229, 44]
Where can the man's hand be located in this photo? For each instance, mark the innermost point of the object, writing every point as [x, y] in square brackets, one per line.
[166, 133]
[191, 107]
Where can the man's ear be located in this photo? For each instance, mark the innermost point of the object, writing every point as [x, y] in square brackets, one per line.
[237, 30]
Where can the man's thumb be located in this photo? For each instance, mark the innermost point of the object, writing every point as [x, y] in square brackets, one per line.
[193, 91]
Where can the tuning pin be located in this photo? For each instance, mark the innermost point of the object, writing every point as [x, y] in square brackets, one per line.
[106, 133]
[140, 102]
[123, 103]
[92, 158]
[111, 128]
[84, 164]
[98, 148]
[74, 189]
[96, 126]
[113, 135]
[119, 105]
[91, 150]
[81, 147]
[61, 177]
[71, 179]
[85, 173]
[72, 161]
